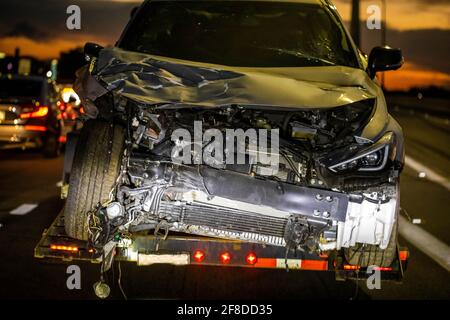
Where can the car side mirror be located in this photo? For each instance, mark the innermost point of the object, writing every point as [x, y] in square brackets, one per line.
[384, 59]
[91, 50]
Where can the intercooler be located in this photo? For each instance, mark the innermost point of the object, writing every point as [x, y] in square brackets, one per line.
[225, 222]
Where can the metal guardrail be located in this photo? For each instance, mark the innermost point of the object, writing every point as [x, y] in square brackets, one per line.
[433, 106]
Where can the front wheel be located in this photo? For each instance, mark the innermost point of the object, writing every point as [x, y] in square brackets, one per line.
[365, 255]
[95, 169]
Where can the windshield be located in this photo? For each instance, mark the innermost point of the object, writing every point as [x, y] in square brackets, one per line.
[241, 33]
[20, 88]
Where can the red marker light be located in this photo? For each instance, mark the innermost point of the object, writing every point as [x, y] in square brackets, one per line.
[199, 256]
[251, 258]
[64, 248]
[225, 257]
[403, 255]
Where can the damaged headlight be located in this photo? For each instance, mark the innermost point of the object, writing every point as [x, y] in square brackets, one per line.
[371, 158]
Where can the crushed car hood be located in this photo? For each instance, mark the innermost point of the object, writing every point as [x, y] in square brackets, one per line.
[149, 79]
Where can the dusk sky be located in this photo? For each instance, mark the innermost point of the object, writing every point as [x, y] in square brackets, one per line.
[420, 27]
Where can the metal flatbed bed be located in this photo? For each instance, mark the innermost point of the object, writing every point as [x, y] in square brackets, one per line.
[144, 250]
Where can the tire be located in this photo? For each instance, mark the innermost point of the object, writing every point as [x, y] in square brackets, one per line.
[93, 174]
[371, 255]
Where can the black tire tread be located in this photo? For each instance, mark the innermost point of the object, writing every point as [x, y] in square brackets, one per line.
[372, 255]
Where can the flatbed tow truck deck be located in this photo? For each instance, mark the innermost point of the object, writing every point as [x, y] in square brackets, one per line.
[144, 250]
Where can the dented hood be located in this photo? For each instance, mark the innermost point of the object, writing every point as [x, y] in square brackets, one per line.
[149, 79]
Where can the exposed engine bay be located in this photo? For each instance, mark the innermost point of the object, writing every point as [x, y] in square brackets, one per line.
[324, 193]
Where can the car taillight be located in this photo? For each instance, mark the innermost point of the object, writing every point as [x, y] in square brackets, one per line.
[225, 257]
[251, 258]
[61, 105]
[38, 112]
[199, 256]
[36, 128]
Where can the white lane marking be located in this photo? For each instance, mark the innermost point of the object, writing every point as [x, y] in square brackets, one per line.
[430, 174]
[425, 242]
[23, 209]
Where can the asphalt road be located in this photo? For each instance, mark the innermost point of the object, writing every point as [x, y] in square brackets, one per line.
[27, 178]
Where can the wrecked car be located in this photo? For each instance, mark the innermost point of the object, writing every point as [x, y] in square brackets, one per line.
[175, 110]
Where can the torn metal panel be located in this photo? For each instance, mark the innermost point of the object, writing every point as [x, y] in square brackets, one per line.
[88, 89]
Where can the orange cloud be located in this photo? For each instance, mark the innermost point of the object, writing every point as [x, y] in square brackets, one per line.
[42, 50]
[410, 76]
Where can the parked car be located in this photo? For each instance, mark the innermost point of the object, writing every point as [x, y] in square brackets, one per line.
[287, 67]
[29, 117]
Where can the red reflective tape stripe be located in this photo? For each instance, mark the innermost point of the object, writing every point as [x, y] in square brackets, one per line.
[314, 265]
[351, 267]
[304, 264]
[383, 268]
[266, 263]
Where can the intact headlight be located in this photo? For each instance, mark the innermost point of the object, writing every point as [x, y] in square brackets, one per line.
[373, 161]
[372, 158]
